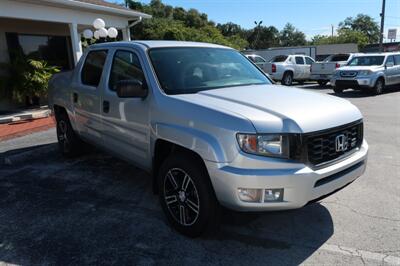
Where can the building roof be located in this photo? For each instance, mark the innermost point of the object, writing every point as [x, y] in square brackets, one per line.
[103, 3]
[100, 6]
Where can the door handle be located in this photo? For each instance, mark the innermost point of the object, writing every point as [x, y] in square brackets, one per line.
[106, 106]
[75, 97]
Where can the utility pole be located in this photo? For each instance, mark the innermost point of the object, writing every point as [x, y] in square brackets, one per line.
[382, 26]
[332, 30]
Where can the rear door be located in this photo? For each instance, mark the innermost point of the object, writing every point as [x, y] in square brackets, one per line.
[397, 69]
[390, 70]
[86, 95]
[126, 120]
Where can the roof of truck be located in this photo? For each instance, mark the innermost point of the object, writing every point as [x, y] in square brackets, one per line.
[161, 44]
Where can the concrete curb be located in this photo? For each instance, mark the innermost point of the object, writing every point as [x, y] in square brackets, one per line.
[25, 116]
[13, 159]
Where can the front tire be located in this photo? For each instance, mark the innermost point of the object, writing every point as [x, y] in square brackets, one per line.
[322, 82]
[186, 195]
[379, 86]
[337, 90]
[287, 79]
[68, 142]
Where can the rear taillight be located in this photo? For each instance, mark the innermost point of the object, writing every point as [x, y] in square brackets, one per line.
[273, 68]
[337, 65]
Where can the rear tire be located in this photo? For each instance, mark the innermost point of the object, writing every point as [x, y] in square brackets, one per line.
[68, 142]
[379, 86]
[337, 90]
[186, 195]
[287, 78]
[322, 82]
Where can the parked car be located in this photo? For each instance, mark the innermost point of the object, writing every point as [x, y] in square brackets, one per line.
[323, 71]
[369, 72]
[289, 68]
[210, 128]
[258, 60]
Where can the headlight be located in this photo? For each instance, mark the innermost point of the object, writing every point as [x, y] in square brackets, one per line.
[273, 145]
[364, 72]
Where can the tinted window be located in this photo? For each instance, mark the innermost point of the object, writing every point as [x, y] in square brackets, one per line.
[309, 61]
[279, 58]
[125, 66]
[390, 59]
[299, 60]
[366, 61]
[397, 59]
[259, 59]
[93, 67]
[339, 58]
[183, 70]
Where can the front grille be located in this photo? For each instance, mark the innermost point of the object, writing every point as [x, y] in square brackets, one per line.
[348, 74]
[328, 145]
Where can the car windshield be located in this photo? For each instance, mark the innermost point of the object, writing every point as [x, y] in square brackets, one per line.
[279, 58]
[182, 70]
[337, 58]
[366, 61]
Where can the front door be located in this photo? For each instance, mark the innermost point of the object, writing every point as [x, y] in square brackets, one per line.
[126, 128]
[86, 96]
[299, 67]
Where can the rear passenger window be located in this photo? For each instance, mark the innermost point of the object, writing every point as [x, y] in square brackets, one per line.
[125, 66]
[397, 60]
[93, 67]
[309, 61]
[299, 60]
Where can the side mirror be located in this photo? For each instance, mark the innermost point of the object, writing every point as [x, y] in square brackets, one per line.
[132, 88]
[389, 64]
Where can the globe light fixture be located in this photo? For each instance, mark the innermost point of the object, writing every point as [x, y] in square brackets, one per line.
[87, 34]
[103, 33]
[112, 32]
[98, 23]
[96, 35]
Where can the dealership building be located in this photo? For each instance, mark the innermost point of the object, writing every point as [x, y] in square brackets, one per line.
[51, 29]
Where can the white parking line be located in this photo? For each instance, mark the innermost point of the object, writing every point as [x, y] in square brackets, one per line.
[392, 260]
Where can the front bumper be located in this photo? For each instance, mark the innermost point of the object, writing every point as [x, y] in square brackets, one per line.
[356, 83]
[301, 183]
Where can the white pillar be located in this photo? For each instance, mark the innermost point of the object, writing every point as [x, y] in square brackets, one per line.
[126, 34]
[76, 42]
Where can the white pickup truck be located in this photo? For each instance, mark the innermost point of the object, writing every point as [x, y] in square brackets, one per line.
[289, 68]
[323, 71]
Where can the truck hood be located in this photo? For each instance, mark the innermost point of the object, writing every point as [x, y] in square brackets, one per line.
[358, 68]
[273, 108]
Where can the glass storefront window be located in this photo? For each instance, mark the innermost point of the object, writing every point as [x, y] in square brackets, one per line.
[55, 50]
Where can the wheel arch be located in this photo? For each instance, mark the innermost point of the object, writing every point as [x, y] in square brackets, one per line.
[164, 148]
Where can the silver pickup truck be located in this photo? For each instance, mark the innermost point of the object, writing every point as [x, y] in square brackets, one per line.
[369, 72]
[209, 127]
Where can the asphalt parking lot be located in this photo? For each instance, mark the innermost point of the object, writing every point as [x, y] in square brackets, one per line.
[96, 209]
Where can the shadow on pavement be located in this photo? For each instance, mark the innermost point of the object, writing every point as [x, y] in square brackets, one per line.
[99, 210]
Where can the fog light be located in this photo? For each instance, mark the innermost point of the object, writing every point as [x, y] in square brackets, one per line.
[273, 195]
[250, 194]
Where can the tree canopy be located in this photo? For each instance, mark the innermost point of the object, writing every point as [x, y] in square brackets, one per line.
[363, 24]
[177, 23]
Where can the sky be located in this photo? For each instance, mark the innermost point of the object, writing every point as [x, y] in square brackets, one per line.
[310, 16]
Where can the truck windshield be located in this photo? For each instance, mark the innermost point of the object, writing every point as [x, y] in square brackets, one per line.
[366, 61]
[182, 70]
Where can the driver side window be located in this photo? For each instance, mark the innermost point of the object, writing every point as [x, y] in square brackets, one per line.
[125, 66]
